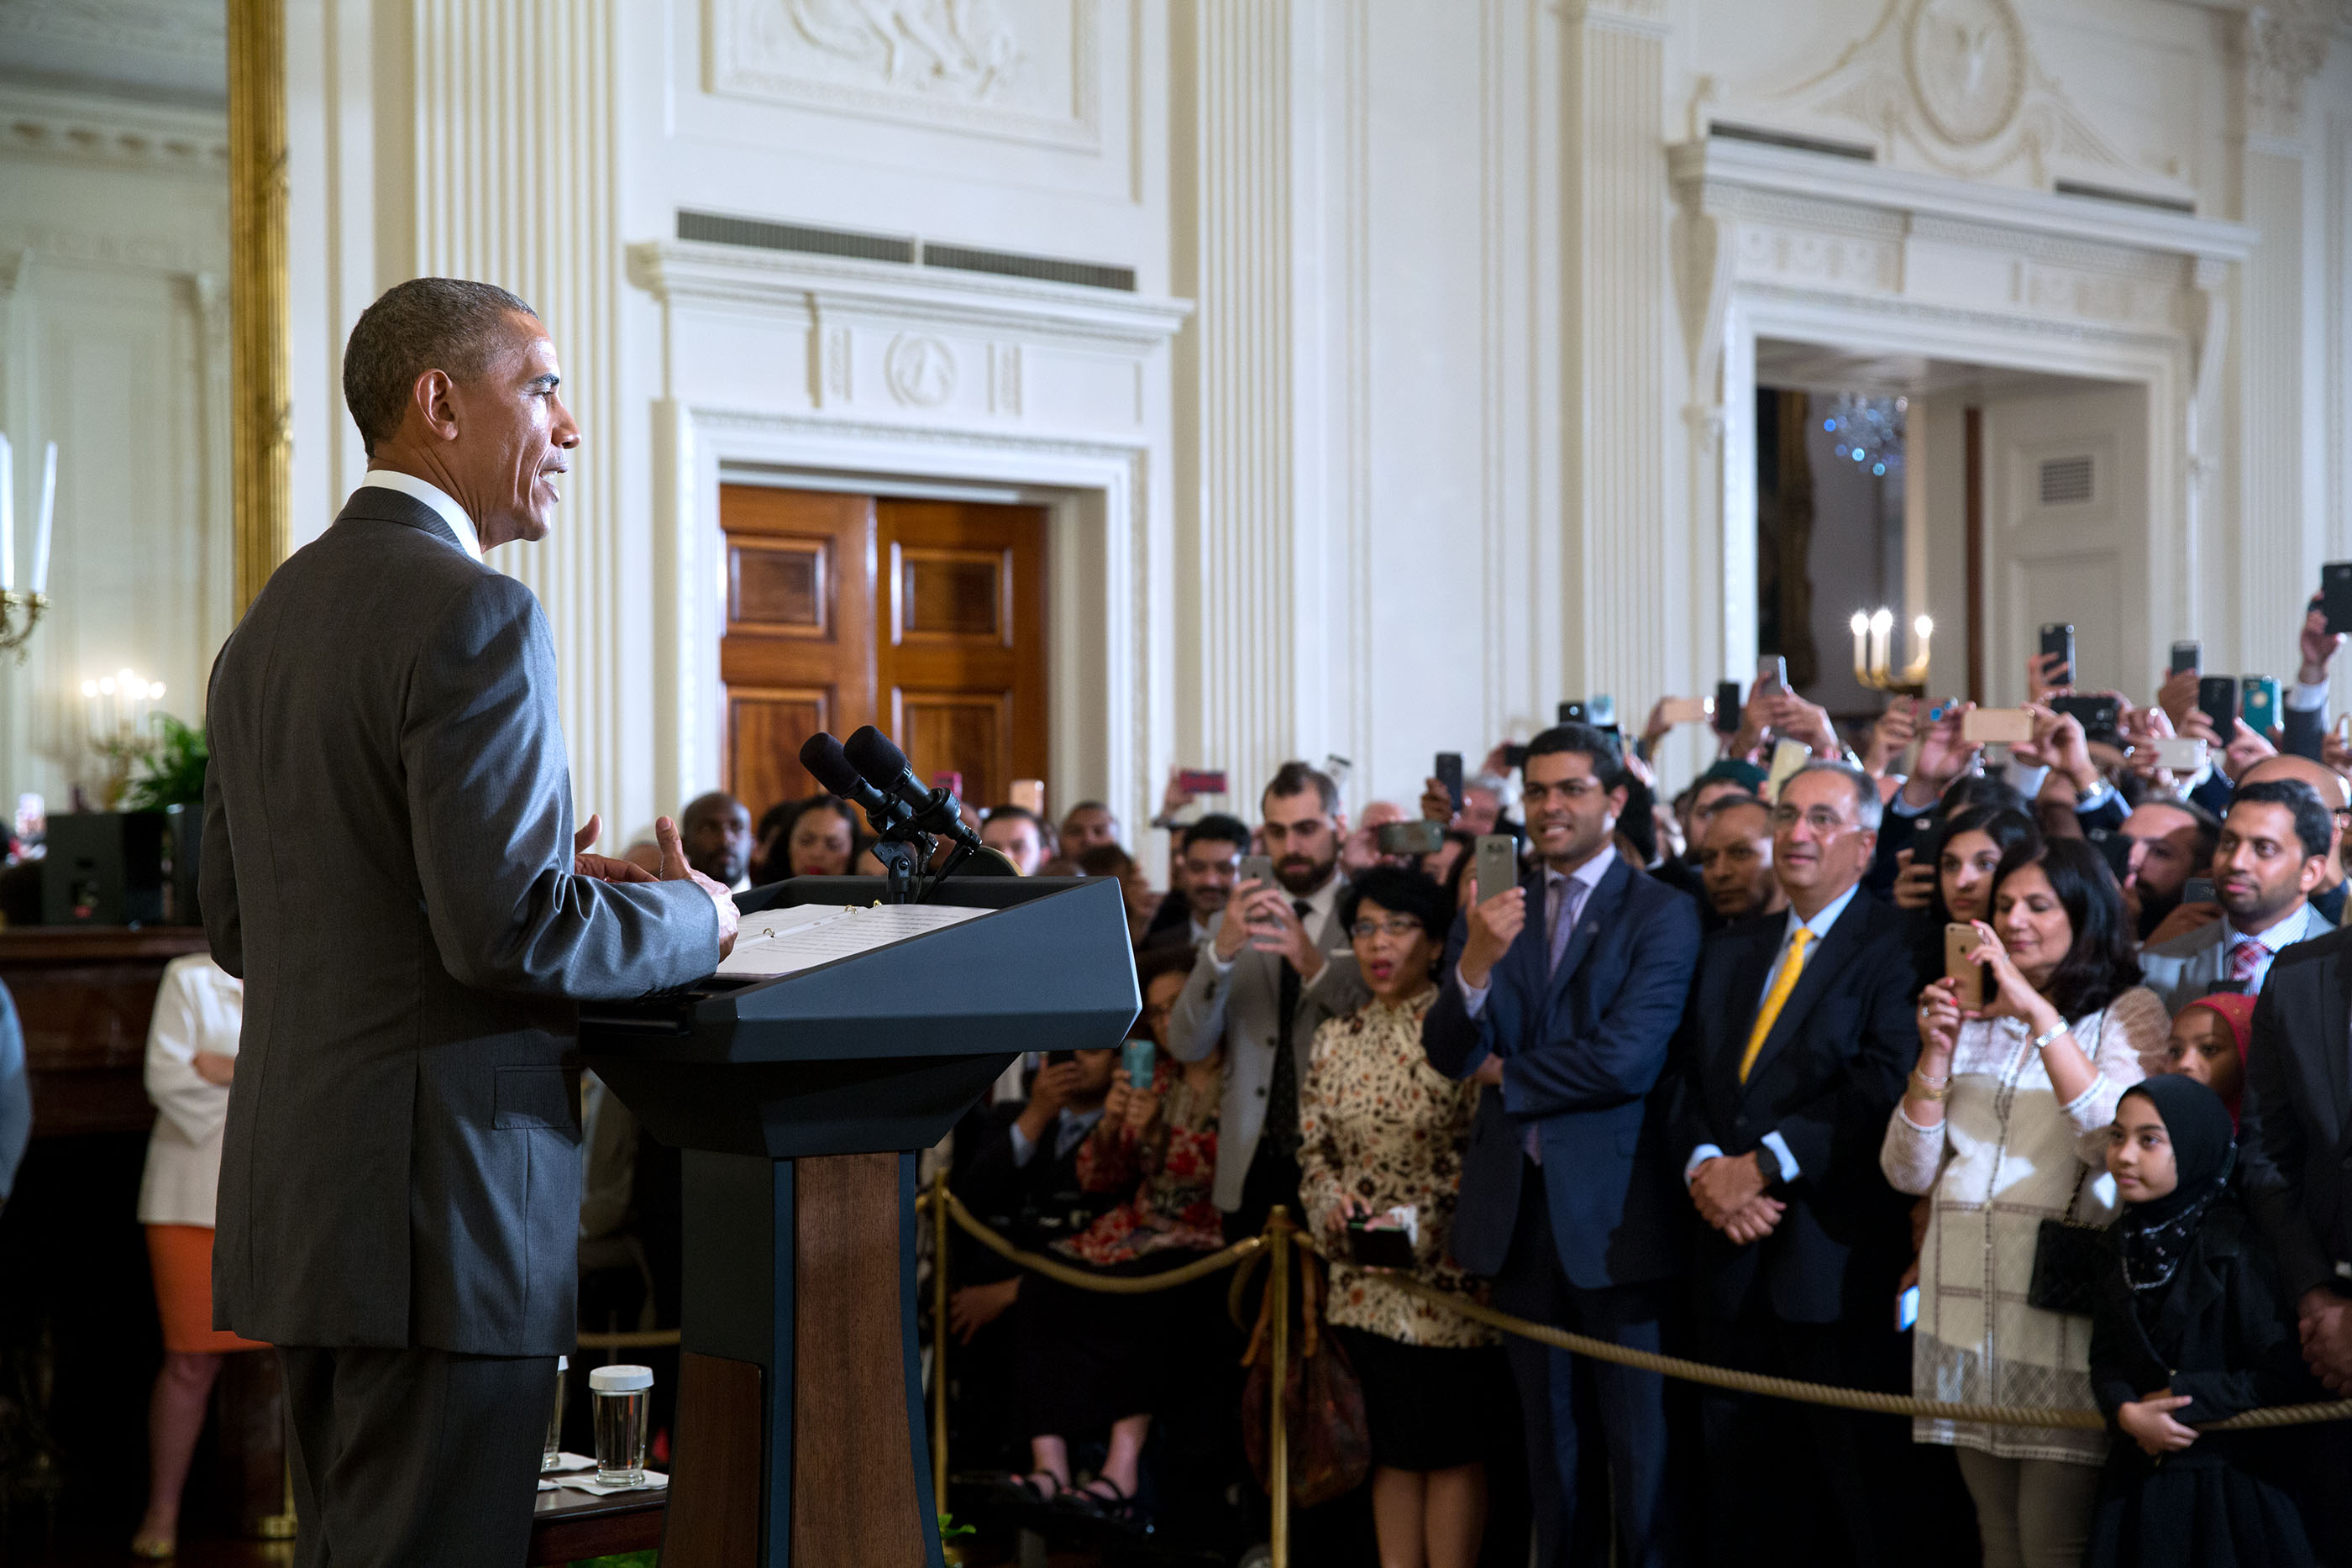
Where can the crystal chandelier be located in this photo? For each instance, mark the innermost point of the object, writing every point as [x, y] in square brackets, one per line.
[1868, 430]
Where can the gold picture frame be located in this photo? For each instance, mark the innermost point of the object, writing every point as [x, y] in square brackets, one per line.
[260, 437]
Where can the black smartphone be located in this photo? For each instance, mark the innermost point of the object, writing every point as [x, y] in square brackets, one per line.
[1449, 773]
[1727, 707]
[2187, 656]
[2197, 890]
[2336, 594]
[2116, 848]
[2217, 695]
[1385, 1247]
[1571, 712]
[2059, 639]
[1514, 756]
[2102, 717]
[1418, 837]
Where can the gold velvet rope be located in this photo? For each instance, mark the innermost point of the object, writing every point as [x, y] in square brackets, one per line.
[1601, 1350]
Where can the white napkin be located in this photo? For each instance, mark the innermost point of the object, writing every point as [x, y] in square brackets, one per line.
[654, 1481]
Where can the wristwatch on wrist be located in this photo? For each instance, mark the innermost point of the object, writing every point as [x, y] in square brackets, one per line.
[1768, 1163]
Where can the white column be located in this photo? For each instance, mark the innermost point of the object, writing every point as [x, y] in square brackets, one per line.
[1628, 603]
[515, 182]
[2282, 532]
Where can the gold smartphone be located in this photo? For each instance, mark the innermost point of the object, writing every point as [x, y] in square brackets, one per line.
[1960, 939]
[1686, 710]
[2004, 725]
[1029, 794]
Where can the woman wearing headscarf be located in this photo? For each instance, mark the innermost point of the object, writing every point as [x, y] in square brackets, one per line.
[2209, 1043]
[2188, 1327]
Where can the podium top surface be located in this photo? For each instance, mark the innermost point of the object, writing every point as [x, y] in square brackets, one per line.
[1047, 968]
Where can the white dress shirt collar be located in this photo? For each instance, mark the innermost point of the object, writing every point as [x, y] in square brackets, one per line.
[1820, 922]
[432, 495]
[1588, 875]
[2296, 928]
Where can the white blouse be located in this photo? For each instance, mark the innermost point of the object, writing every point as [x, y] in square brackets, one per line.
[199, 1006]
[2008, 1156]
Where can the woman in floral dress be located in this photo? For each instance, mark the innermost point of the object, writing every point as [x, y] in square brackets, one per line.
[1382, 1131]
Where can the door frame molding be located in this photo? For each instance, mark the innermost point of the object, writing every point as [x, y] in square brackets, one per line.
[1103, 705]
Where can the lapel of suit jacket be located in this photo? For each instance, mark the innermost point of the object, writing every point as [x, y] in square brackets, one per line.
[1820, 968]
[1736, 1003]
[1603, 902]
[2335, 1032]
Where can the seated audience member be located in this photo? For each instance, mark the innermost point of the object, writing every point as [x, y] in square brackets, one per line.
[1209, 855]
[2189, 1326]
[1143, 898]
[2272, 853]
[716, 829]
[767, 842]
[191, 1057]
[2007, 1104]
[1381, 1130]
[1562, 995]
[1091, 1362]
[16, 1096]
[1722, 780]
[1275, 964]
[2209, 1043]
[1735, 859]
[1956, 881]
[1088, 825]
[2172, 841]
[1019, 834]
[1797, 1036]
[819, 837]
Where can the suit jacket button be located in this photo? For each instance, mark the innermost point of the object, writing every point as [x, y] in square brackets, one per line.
[1261, 1093]
[1739, 1121]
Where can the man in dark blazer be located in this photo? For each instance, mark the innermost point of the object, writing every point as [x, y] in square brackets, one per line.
[1799, 1036]
[2294, 1137]
[389, 863]
[1561, 995]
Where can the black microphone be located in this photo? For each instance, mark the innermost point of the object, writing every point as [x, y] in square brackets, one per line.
[830, 766]
[885, 766]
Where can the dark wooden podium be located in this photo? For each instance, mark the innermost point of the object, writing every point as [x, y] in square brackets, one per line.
[799, 1102]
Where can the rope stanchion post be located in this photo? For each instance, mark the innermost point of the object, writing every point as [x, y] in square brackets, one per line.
[1277, 1438]
[939, 1339]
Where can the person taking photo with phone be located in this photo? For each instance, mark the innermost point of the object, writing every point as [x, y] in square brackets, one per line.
[1562, 993]
[2272, 855]
[1381, 1135]
[2026, 1045]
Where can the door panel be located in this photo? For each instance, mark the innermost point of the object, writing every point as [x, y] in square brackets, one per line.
[2066, 535]
[961, 670]
[798, 652]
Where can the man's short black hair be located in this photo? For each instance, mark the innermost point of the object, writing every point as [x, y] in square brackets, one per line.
[447, 324]
[1608, 763]
[2315, 824]
[1220, 829]
[709, 804]
[1012, 813]
[1405, 890]
[1296, 777]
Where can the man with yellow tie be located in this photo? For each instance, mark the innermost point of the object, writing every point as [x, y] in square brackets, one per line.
[1797, 1042]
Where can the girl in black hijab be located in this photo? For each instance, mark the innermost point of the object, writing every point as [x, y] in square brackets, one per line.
[2189, 1328]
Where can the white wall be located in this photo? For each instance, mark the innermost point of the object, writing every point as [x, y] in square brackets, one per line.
[113, 343]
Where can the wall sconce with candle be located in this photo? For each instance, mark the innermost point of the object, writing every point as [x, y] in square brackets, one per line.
[118, 715]
[1874, 653]
[20, 611]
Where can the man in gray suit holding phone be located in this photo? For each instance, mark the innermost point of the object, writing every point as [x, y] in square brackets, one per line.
[389, 863]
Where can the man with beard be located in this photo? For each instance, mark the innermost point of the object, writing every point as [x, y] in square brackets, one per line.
[1210, 859]
[717, 832]
[1275, 964]
[1561, 996]
[2272, 854]
[2172, 841]
[1735, 859]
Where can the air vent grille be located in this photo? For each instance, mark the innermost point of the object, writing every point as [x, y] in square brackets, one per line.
[2133, 198]
[1860, 152]
[2065, 481]
[716, 228]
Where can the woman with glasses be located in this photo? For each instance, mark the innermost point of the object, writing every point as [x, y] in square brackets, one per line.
[2005, 1122]
[1382, 1133]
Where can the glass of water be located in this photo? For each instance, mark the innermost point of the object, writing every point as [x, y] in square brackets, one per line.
[622, 1394]
[552, 1454]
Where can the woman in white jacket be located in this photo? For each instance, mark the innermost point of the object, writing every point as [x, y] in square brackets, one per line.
[190, 1056]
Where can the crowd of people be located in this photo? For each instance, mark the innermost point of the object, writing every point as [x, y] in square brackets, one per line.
[2007, 1076]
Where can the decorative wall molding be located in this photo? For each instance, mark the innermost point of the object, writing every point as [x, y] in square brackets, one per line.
[1026, 69]
[2282, 44]
[87, 129]
[1955, 86]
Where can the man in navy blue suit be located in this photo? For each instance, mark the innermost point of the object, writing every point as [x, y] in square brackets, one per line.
[1561, 996]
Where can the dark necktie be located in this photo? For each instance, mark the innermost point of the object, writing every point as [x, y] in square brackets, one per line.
[1282, 1092]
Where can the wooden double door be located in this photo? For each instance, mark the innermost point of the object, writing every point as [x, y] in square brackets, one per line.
[925, 619]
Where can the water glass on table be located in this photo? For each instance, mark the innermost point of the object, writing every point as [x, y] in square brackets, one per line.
[622, 1396]
[552, 1454]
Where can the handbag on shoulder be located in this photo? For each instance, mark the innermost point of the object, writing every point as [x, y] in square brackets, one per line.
[2065, 1261]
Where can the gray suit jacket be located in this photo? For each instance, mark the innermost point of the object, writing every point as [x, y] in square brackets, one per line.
[1239, 1007]
[387, 863]
[2184, 969]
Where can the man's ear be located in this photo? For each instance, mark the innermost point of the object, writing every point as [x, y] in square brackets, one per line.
[434, 399]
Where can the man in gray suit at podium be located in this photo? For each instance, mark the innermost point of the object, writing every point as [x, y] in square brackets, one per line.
[389, 862]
